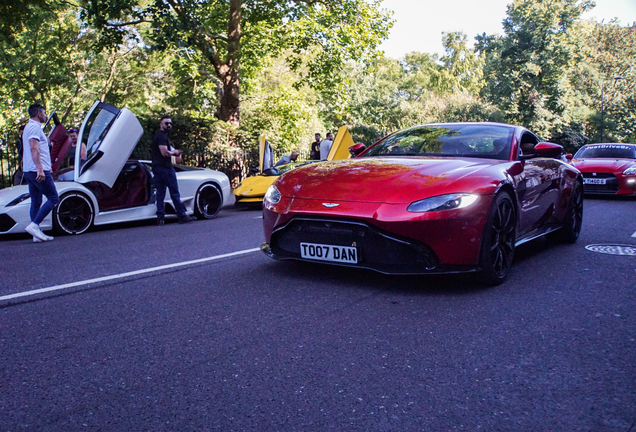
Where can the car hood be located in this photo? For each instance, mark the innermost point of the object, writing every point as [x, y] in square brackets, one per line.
[603, 165]
[391, 180]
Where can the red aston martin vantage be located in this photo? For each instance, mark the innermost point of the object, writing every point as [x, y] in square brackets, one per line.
[608, 168]
[437, 198]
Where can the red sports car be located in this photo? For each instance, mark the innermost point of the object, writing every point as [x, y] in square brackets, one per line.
[607, 168]
[437, 198]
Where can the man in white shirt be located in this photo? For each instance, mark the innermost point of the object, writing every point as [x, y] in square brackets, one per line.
[325, 146]
[36, 164]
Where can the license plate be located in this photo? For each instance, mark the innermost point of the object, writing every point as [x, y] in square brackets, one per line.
[343, 254]
[593, 181]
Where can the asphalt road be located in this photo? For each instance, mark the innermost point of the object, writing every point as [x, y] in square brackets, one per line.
[244, 343]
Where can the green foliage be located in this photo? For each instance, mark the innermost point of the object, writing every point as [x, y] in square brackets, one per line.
[527, 70]
[35, 47]
[281, 109]
[608, 80]
[193, 135]
[365, 134]
[571, 138]
[389, 94]
[234, 36]
[462, 69]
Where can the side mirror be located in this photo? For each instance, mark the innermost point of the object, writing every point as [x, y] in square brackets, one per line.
[356, 149]
[548, 150]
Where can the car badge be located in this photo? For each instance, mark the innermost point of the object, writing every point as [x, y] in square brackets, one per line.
[330, 205]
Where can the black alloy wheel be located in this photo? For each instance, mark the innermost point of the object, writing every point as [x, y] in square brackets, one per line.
[573, 220]
[498, 242]
[74, 214]
[207, 202]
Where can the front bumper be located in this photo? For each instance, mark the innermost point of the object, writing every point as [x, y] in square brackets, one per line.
[614, 184]
[376, 250]
[248, 202]
[15, 219]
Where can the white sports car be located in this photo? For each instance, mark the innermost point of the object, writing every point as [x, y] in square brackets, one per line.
[106, 187]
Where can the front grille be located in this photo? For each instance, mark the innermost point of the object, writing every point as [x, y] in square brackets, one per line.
[610, 187]
[377, 250]
[6, 223]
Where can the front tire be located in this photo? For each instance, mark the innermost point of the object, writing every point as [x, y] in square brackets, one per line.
[208, 201]
[574, 217]
[498, 241]
[74, 214]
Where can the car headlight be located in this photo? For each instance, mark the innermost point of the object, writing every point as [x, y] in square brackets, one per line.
[273, 195]
[18, 200]
[630, 171]
[443, 202]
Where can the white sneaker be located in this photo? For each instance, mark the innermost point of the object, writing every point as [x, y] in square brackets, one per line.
[37, 240]
[35, 231]
[47, 237]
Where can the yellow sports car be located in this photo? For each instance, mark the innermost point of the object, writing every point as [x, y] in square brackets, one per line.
[250, 192]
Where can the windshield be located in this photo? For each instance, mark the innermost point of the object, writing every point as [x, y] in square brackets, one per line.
[453, 140]
[282, 169]
[608, 151]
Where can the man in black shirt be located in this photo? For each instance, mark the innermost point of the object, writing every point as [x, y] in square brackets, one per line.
[19, 146]
[314, 154]
[164, 174]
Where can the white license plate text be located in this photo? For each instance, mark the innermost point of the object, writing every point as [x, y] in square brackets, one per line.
[344, 254]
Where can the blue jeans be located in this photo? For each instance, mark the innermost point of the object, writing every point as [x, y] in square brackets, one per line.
[36, 189]
[167, 178]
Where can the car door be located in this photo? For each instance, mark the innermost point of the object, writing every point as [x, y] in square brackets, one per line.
[110, 135]
[538, 189]
[265, 154]
[341, 144]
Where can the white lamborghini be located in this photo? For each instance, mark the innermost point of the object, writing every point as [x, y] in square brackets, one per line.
[106, 187]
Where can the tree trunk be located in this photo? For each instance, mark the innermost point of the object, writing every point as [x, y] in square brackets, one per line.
[229, 72]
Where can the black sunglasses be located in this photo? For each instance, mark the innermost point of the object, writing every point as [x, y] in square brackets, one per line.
[72, 130]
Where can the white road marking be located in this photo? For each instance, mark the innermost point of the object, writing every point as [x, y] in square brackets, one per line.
[124, 275]
[634, 235]
[258, 217]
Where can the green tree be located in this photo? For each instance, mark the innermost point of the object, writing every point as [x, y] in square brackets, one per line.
[279, 107]
[608, 80]
[528, 69]
[34, 58]
[47, 56]
[462, 68]
[234, 36]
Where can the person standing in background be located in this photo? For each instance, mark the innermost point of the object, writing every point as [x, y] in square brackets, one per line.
[325, 146]
[288, 158]
[314, 154]
[72, 133]
[19, 148]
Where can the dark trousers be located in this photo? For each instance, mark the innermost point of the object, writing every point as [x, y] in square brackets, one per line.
[36, 189]
[167, 178]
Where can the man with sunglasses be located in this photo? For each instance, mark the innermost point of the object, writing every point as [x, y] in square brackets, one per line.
[164, 174]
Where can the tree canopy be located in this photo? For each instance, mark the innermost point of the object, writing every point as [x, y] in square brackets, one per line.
[234, 37]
